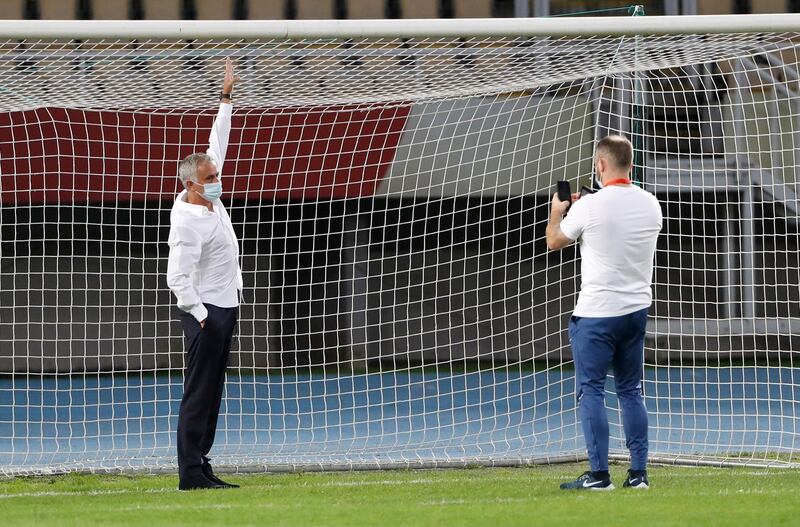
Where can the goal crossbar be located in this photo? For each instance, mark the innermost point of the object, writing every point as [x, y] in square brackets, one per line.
[406, 28]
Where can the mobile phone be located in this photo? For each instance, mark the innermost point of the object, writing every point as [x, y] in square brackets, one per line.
[585, 191]
[564, 191]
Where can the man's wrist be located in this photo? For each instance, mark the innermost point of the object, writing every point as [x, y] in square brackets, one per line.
[199, 312]
[225, 96]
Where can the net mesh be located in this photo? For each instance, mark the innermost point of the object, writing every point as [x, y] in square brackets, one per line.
[390, 197]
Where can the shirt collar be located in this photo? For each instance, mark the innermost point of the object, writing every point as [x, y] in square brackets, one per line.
[191, 208]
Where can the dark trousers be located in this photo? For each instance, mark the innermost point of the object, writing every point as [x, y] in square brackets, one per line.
[597, 344]
[207, 351]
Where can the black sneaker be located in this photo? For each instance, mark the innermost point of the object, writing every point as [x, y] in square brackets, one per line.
[637, 479]
[588, 481]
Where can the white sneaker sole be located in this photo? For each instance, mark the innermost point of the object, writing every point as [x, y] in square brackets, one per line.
[642, 486]
[600, 489]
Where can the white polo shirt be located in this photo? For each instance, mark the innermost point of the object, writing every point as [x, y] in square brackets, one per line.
[203, 264]
[617, 227]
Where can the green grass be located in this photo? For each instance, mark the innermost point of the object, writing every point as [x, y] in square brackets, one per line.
[486, 497]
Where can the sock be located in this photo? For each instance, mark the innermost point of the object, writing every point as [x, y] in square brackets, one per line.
[601, 474]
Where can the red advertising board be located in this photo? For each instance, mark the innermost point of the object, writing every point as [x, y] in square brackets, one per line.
[59, 155]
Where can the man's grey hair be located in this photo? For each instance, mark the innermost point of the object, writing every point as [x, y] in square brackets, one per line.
[187, 169]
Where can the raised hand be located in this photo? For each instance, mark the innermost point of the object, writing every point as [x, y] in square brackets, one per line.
[230, 78]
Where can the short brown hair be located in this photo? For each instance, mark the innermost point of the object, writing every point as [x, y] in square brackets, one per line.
[617, 150]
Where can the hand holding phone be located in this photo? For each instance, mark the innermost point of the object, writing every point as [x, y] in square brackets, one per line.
[564, 192]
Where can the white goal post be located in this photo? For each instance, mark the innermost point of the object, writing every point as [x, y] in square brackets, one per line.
[389, 183]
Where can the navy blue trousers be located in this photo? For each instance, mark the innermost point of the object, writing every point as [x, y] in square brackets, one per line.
[207, 351]
[597, 345]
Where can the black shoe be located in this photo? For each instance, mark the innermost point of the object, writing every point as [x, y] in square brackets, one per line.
[636, 479]
[218, 481]
[588, 481]
[199, 482]
[208, 472]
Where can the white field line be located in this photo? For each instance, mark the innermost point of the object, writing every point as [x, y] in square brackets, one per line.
[56, 494]
[444, 503]
[420, 481]
[180, 506]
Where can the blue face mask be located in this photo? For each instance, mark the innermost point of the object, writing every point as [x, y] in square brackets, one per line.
[212, 191]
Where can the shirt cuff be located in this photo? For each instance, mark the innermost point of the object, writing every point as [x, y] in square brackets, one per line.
[199, 312]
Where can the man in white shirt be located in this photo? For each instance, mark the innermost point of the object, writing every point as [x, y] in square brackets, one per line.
[617, 228]
[203, 272]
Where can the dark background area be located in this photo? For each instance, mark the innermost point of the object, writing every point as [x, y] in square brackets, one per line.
[357, 283]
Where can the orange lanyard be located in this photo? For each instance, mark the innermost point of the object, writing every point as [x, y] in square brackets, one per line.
[619, 181]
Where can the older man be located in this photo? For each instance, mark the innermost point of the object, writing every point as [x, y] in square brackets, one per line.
[617, 227]
[204, 274]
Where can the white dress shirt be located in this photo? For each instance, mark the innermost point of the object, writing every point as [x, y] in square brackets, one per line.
[618, 227]
[203, 265]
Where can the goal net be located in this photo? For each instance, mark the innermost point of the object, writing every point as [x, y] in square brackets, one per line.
[389, 183]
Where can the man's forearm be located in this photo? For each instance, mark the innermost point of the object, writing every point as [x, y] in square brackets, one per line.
[556, 239]
[553, 227]
[220, 132]
[188, 299]
[184, 255]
